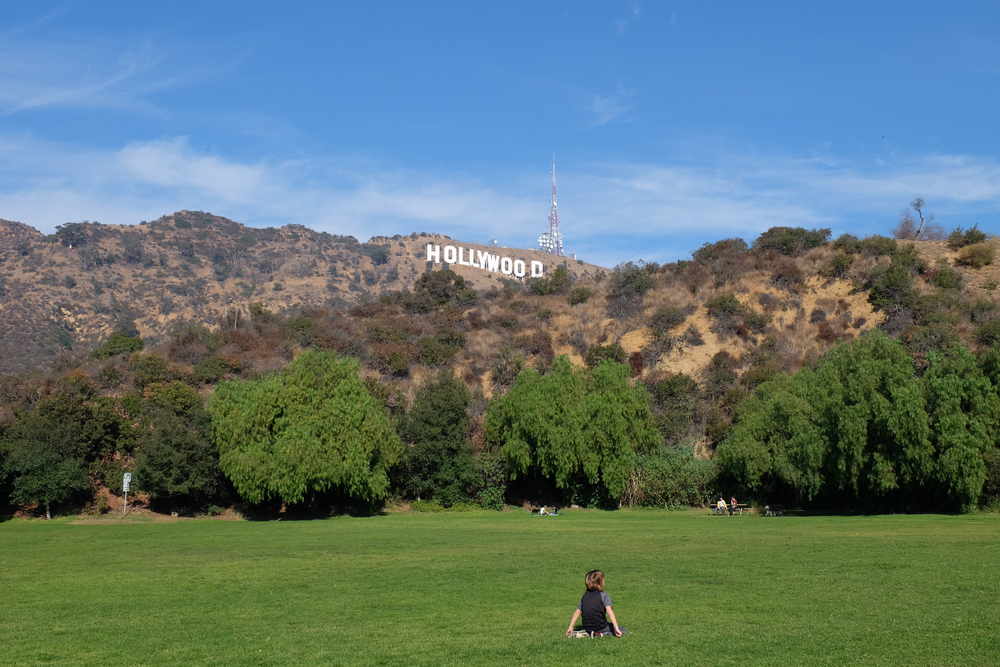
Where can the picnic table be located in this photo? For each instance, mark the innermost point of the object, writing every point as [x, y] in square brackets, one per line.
[731, 509]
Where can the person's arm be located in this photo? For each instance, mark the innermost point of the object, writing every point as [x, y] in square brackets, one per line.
[572, 622]
[614, 621]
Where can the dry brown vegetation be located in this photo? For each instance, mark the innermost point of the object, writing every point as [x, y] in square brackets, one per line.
[730, 319]
[192, 267]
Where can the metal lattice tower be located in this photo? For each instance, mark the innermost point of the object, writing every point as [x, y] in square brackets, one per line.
[551, 240]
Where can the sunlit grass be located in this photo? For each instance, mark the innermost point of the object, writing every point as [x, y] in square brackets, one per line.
[488, 589]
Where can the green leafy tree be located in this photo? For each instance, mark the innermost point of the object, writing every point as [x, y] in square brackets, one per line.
[438, 461]
[176, 462]
[964, 412]
[310, 428]
[571, 422]
[862, 428]
[45, 460]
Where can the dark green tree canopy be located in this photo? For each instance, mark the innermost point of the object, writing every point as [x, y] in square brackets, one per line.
[438, 459]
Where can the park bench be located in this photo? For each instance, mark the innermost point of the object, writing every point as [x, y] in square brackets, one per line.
[735, 509]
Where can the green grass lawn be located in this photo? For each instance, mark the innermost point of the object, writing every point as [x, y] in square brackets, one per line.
[499, 589]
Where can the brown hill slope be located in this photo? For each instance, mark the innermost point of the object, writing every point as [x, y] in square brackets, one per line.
[68, 291]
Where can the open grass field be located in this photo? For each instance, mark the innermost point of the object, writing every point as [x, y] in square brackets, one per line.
[499, 589]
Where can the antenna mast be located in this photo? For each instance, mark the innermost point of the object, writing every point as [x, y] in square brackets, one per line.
[551, 240]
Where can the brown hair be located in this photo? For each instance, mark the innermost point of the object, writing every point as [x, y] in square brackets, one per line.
[595, 580]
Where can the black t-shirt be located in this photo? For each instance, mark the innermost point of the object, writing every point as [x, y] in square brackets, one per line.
[591, 607]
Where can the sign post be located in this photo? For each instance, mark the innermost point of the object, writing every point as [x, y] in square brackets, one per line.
[125, 482]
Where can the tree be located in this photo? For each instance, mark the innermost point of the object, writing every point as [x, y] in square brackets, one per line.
[908, 229]
[861, 428]
[571, 422]
[310, 428]
[438, 461]
[44, 460]
[177, 462]
[964, 412]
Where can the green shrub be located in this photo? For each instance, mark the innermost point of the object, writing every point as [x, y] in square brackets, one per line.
[212, 369]
[118, 343]
[675, 478]
[947, 278]
[977, 255]
[711, 253]
[791, 240]
[426, 506]
[557, 283]
[908, 256]
[960, 238]
[982, 310]
[878, 245]
[838, 266]
[668, 317]
[578, 295]
[755, 321]
[988, 334]
[627, 286]
[848, 243]
[725, 304]
[599, 353]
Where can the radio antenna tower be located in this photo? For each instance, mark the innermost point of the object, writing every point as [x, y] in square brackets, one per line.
[551, 240]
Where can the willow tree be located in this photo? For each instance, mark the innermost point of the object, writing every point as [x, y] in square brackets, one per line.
[311, 428]
[572, 421]
[863, 426]
[857, 425]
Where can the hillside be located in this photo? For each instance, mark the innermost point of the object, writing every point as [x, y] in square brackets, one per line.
[156, 327]
[65, 293]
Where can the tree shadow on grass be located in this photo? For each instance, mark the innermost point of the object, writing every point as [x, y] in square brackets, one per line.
[318, 506]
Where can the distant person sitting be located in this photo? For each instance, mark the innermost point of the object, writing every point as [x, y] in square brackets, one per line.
[732, 505]
[544, 511]
[721, 508]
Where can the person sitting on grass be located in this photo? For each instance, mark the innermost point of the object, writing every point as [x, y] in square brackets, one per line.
[593, 606]
[543, 512]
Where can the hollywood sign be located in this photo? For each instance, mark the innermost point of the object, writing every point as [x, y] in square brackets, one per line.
[482, 259]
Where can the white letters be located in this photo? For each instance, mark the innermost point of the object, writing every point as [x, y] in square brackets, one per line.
[482, 259]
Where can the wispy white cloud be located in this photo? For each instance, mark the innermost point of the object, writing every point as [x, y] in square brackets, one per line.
[92, 73]
[611, 212]
[621, 25]
[606, 109]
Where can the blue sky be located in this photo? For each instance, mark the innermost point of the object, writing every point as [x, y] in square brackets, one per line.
[673, 123]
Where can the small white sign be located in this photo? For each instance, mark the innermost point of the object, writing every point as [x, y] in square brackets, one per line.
[127, 480]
